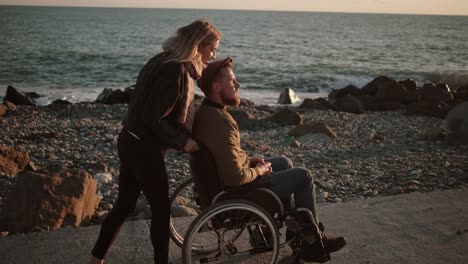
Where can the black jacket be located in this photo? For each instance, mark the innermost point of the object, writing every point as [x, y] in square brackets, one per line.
[154, 107]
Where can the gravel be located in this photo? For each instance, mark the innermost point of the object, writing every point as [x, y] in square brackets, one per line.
[375, 154]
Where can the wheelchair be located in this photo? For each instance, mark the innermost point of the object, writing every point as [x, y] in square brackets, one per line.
[235, 225]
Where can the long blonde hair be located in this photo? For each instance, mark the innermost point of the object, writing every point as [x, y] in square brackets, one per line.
[183, 46]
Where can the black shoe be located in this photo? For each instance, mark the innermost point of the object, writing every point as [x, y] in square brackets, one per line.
[314, 252]
[333, 244]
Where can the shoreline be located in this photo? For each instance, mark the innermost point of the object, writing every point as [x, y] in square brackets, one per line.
[258, 96]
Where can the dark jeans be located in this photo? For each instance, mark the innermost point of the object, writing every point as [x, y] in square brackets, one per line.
[142, 169]
[286, 180]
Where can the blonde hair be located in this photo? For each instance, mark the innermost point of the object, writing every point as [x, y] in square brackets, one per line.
[183, 46]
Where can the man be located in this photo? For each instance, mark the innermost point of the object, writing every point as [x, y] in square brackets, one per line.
[215, 128]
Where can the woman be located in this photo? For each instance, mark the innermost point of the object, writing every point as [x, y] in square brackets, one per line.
[159, 117]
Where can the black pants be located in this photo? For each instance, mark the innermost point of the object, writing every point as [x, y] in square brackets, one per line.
[142, 169]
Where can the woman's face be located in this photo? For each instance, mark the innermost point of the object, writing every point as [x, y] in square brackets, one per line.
[208, 51]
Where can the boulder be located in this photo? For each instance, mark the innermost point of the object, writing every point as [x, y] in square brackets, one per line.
[110, 97]
[50, 201]
[412, 89]
[287, 96]
[462, 93]
[373, 103]
[33, 95]
[312, 128]
[243, 118]
[351, 104]
[62, 108]
[410, 84]
[373, 86]
[309, 103]
[457, 122]
[287, 117]
[389, 90]
[16, 97]
[435, 109]
[436, 93]
[3, 109]
[349, 90]
[325, 102]
[12, 161]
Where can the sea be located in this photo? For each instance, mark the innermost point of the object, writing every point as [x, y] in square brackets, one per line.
[73, 53]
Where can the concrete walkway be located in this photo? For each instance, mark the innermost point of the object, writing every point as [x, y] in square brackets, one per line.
[411, 228]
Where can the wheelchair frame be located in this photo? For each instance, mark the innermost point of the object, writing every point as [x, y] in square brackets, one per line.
[273, 222]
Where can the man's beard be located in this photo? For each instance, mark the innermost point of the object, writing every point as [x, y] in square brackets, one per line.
[235, 101]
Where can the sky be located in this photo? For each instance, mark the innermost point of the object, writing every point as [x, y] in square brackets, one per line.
[438, 7]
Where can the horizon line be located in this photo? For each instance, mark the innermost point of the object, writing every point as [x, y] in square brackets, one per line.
[261, 10]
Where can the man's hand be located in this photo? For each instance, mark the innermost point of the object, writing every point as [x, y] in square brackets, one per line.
[265, 168]
[256, 160]
[190, 146]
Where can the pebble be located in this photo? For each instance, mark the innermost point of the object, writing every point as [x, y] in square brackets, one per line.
[108, 206]
[103, 177]
[350, 166]
[396, 190]
[413, 188]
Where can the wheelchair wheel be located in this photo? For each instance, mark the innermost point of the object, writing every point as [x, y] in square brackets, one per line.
[184, 209]
[232, 231]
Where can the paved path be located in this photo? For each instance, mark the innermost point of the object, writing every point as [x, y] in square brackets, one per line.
[411, 228]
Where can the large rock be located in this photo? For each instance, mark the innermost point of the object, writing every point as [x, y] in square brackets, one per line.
[287, 117]
[325, 102]
[312, 128]
[287, 96]
[436, 93]
[350, 90]
[373, 103]
[310, 103]
[457, 122]
[3, 109]
[462, 93]
[410, 84]
[412, 89]
[351, 104]
[435, 109]
[16, 97]
[50, 201]
[373, 86]
[111, 97]
[12, 161]
[388, 90]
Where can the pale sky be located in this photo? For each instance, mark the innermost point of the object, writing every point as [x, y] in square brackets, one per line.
[439, 7]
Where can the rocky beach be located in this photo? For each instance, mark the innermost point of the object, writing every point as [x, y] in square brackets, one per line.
[352, 155]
